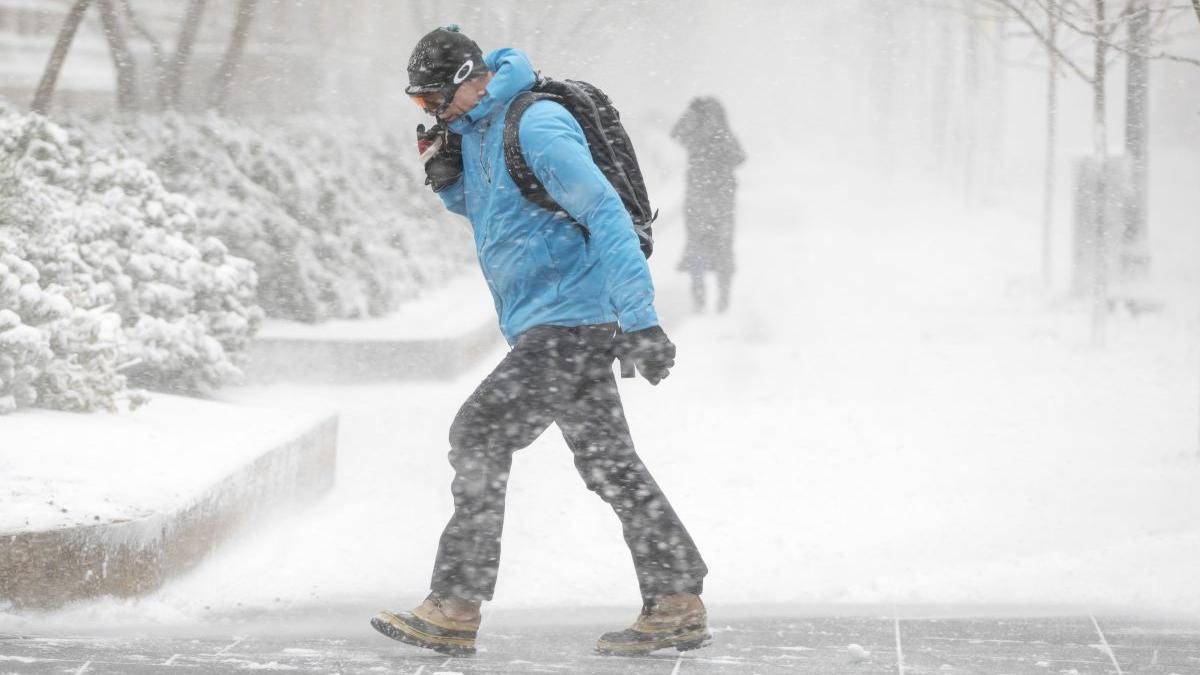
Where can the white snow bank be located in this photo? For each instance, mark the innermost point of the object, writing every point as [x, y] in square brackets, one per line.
[60, 470]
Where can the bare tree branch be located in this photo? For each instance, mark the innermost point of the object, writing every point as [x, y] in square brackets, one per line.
[123, 61]
[45, 89]
[1103, 36]
[1024, 18]
[140, 29]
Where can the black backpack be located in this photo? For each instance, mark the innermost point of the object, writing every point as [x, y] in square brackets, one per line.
[611, 150]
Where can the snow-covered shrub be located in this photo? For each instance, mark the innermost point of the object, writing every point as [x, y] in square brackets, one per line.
[328, 209]
[107, 277]
[52, 353]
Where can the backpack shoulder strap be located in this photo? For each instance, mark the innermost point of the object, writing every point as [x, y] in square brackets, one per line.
[514, 159]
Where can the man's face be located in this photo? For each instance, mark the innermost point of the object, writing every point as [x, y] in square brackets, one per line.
[466, 98]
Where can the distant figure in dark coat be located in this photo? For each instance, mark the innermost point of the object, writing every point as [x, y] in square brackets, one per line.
[713, 154]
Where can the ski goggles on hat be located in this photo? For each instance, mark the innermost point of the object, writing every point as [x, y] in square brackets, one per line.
[434, 102]
[434, 99]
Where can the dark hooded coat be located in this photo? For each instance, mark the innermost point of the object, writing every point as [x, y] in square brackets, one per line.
[713, 154]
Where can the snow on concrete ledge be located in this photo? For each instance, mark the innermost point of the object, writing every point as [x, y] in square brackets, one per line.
[115, 503]
[436, 336]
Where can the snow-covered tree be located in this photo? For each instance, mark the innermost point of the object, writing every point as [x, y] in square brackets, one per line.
[328, 209]
[107, 277]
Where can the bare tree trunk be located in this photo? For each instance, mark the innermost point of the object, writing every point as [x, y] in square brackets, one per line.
[127, 98]
[177, 70]
[1135, 257]
[66, 35]
[1196, 5]
[1100, 148]
[218, 93]
[1051, 134]
[156, 49]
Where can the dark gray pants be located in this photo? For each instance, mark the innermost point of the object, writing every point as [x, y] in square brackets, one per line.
[562, 375]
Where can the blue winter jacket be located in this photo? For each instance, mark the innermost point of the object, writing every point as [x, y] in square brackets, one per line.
[539, 267]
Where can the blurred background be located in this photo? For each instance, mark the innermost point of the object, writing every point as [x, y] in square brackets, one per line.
[962, 362]
[982, 95]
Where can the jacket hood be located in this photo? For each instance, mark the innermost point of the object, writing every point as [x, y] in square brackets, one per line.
[512, 74]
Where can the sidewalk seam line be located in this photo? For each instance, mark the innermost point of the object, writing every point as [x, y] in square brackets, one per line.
[230, 646]
[1104, 641]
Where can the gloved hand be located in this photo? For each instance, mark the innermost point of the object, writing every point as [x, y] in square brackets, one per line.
[650, 352]
[441, 153]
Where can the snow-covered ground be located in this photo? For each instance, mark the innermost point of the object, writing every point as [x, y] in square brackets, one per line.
[892, 411]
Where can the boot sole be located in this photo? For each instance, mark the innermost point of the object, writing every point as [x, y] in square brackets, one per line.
[401, 631]
[683, 642]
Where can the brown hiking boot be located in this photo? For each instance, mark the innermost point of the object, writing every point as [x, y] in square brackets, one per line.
[444, 624]
[677, 620]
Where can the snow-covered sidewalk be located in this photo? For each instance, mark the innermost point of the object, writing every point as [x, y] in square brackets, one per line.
[813, 640]
[891, 412]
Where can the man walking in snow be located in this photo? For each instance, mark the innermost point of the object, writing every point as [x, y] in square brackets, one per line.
[571, 294]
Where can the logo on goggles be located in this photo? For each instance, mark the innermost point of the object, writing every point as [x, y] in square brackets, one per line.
[464, 71]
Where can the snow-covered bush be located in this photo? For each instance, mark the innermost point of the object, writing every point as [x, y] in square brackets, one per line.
[328, 209]
[106, 276]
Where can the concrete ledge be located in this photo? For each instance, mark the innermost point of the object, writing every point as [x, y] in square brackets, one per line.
[347, 360]
[49, 568]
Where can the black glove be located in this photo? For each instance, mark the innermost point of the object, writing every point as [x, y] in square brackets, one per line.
[649, 350]
[441, 153]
